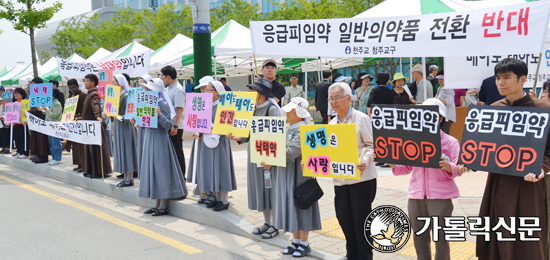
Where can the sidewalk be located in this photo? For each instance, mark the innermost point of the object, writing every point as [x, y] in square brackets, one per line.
[391, 190]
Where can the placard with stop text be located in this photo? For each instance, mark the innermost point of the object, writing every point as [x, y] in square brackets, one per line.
[41, 94]
[104, 76]
[70, 109]
[146, 109]
[505, 140]
[112, 100]
[407, 135]
[198, 113]
[12, 113]
[234, 112]
[25, 106]
[330, 151]
[268, 140]
[131, 102]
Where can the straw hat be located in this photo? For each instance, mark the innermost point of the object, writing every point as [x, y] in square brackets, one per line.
[397, 76]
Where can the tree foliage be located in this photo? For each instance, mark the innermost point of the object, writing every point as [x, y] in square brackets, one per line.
[238, 10]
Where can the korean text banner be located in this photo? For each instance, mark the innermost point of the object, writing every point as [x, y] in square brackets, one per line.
[146, 113]
[104, 76]
[12, 113]
[479, 68]
[112, 100]
[505, 140]
[135, 65]
[473, 32]
[234, 112]
[70, 109]
[330, 151]
[24, 108]
[268, 140]
[407, 135]
[198, 113]
[131, 102]
[82, 131]
[41, 94]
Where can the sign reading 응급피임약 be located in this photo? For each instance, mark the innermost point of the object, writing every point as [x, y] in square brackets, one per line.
[112, 100]
[506, 140]
[407, 135]
[41, 94]
[330, 151]
[198, 113]
[104, 77]
[146, 113]
[131, 102]
[268, 140]
[70, 109]
[234, 112]
[25, 106]
[12, 113]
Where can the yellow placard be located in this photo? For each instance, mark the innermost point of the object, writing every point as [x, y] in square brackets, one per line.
[268, 140]
[234, 112]
[70, 109]
[112, 100]
[330, 151]
[25, 106]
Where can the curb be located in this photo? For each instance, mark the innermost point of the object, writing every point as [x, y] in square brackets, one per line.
[187, 209]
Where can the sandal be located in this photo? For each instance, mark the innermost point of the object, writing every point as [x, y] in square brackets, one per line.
[258, 231]
[289, 250]
[125, 183]
[267, 234]
[301, 251]
[150, 211]
[160, 212]
[210, 201]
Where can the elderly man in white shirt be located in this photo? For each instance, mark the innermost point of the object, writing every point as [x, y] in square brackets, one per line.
[294, 90]
[353, 198]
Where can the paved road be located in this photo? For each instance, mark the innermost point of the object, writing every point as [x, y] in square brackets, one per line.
[46, 219]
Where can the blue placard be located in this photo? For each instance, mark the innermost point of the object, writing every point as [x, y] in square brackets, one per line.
[41, 94]
[6, 95]
[131, 102]
[201, 28]
[146, 113]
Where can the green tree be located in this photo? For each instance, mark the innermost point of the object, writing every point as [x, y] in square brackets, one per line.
[27, 18]
[165, 24]
[44, 57]
[238, 10]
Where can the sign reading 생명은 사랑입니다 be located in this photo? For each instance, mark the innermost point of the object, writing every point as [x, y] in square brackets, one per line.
[407, 135]
[198, 113]
[268, 140]
[234, 112]
[112, 100]
[330, 151]
[104, 77]
[506, 140]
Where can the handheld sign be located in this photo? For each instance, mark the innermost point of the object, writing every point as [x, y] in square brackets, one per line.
[146, 113]
[112, 100]
[268, 140]
[6, 95]
[198, 113]
[234, 112]
[70, 109]
[330, 151]
[12, 113]
[41, 94]
[104, 77]
[131, 102]
[407, 135]
[505, 140]
[25, 106]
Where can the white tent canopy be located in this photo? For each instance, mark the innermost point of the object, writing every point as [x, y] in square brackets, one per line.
[99, 55]
[128, 49]
[15, 71]
[166, 54]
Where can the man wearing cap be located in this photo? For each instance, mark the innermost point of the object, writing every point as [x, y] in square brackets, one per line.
[321, 95]
[423, 92]
[269, 70]
[176, 94]
[294, 91]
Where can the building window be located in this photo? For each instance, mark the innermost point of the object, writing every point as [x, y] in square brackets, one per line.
[120, 3]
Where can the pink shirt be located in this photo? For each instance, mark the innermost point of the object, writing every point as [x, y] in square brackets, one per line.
[434, 183]
[459, 93]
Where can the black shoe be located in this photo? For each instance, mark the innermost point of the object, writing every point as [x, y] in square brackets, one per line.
[121, 176]
[35, 159]
[85, 175]
[135, 174]
[201, 201]
[94, 176]
[41, 160]
[221, 206]
[211, 203]
[125, 184]
[160, 212]
[303, 250]
[150, 211]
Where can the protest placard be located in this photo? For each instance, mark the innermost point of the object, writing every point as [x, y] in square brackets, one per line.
[7, 95]
[41, 94]
[112, 100]
[506, 140]
[198, 113]
[234, 112]
[25, 106]
[407, 135]
[70, 109]
[12, 113]
[131, 102]
[82, 131]
[268, 140]
[330, 151]
[146, 113]
[104, 77]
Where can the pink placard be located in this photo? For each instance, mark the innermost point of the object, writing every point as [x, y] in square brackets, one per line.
[12, 112]
[198, 113]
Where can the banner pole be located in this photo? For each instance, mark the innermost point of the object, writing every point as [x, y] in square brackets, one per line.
[215, 69]
[25, 134]
[11, 137]
[195, 150]
[537, 77]
[256, 65]
[101, 153]
[425, 79]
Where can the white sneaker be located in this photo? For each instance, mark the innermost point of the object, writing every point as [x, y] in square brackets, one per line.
[66, 152]
[16, 155]
[54, 162]
[22, 156]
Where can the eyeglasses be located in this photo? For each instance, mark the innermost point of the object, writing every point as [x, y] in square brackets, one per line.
[163, 76]
[336, 99]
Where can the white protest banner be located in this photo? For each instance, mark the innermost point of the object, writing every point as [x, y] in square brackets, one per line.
[515, 28]
[135, 65]
[469, 71]
[82, 131]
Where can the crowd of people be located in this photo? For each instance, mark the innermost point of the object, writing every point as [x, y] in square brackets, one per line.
[144, 153]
